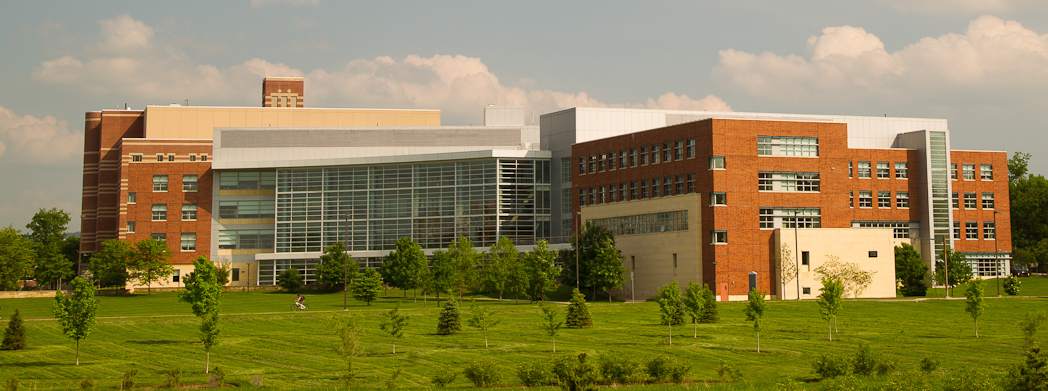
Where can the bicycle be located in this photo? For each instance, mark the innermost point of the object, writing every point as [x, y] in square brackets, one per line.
[295, 307]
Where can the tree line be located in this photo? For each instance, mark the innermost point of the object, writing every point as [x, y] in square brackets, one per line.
[45, 254]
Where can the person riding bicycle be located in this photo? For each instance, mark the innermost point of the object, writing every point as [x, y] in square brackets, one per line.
[300, 302]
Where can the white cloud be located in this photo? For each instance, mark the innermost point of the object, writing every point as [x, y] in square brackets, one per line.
[124, 34]
[847, 63]
[262, 3]
[28, 140]
[939, 7]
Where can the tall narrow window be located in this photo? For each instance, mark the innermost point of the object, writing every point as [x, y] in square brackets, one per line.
[667, 186]
[633, 157]
[667, 152]
[851, 199]
[679, 185]
[612, 160]
[189, 183]
[655, 187]
[159, 182]
[986, 172]
[633, 190]
[805, 258]
[850, 169]
[691, 183]
[613, 192]
[643, 189]
[679, 149]
[130, 227]
[643, 156]
[987, 200]
[601, 161]
[593, 164]
[132, 197]
[656, 154]
[956, 229]
[956, 201]
[674, 264]
[953, 171]
[622, 191]
[691, 148]
[902, 170]
[582, 166]
[623, 159]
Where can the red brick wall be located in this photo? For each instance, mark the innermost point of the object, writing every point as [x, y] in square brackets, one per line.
[998, 186]
[103, 139]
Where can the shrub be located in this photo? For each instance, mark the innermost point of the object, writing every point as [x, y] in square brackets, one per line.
[450, 321]
[928, 364]
[257, 380]
[865, 362]
[843, 383]
[87, 384]
[483, 374]
[1011, 285]
[969, 380]
[392, 381]
[788, 385]
[173, 378]
[13, 384]
[534, 374]
[622, 369]
[728, 372]
[444, 377]
[578, 312]
[1028, 375]
[885, 367]
[661, 368]
[129, 380]
[14, 335]
[827, 366]
[218, 376]
[908, 381]
[575, 373]
[290, 279]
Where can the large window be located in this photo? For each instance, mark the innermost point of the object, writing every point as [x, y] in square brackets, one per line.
[189, 183]
[902, 170]
[644, 223]
[986, 172]
[790, 217]
[667, 152]
[902, 199]
[256, 209]
[884, 199]
[971, 230]
[189, 212]
[159, 212]
[788, 181]
[643, 156]
[787, 146]
[901, 229]
[989, 230]
[883, 171]
[691, 183]
[565, 170]
[247, 180]
[864, 170]
[245, 239]
[132, 198]
[969, 201]
[188, 241]
[969, 171]
[623, 159]
[865, 199]
[582, 166]
[130, 227]
[159, 182]
[987, 200]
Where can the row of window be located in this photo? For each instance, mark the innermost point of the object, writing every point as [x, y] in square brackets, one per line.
[884, 199]
[644, 223]
[638, 156]
[971, 230]
[170, 158]
[159, 212]
[968, 171]
[187, 243]
[189, 183]
[902, 170]
[636, 190]
[971, 202]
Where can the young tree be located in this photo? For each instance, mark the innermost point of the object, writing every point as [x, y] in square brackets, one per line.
[974, 304]
[76, 313]
[290, 279]
[47, 232]
[481, 318]
[405, 266]
[671, 306]
[583, 248]
[578, 313]
[110, 266]
[541, 271]
[1030, 325]
[550, 323]
[694, 305]
[367, 288]
[152, 262]
[349, 330]
[394, 324]
[209, 331]
[787, 268]
[203, 291]
[450, 321]
[607, 271]
[16, 258]
[851, 275]
[441, 275]
[709, 309]
[754, 310]
[499, 266]
[464, 260]
[958, 269]
[336, 268]
[910, 270]
[14, 335]
[830, 301]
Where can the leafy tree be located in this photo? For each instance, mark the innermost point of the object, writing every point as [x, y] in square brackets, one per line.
[290, 279]
[441, 274]
[450, 321]
[202, 291]
[152, 262]
[14, 335]
[394, 324]
[754, 310]
[110, 266]
[709, 310]
[959, 270]
[550, 323]
[607, 271]
[541, 271]
[336, 268]
[583, 248]
[16, 258]
[464, 260]
[224, 270]
[1018, 166]
[47, 232]
[499, 266]
[974, 304]
[481, 318]
[1011, 285]
[1030, 325]
[671, 306]
[787, 267]
[209, 332]
[349, 330]
[1028, 203]
[405, 266]
[910, 270]
[851, 275]
[367, 288]
[694, 305]
[830, 301]
[578, 313]
[76, 313]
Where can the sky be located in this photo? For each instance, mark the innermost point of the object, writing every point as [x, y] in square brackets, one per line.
[981, 64]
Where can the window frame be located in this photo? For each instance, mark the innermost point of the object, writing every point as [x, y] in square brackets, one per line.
[187, 241]
[865, 170]
[988, 202]
[160, 183]
[190, 185]
[189, 212]
[718, 237]
[902, 170]
[158, 212]
[718, 163]
[986, 172]
[883, 170]
[902, 199]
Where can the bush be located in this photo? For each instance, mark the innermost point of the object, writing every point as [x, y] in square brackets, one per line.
[788, 385]
[444, 377]
[534, 374]
[661, 368]
[257, 380]
[828, 367]
[843, 383]
[1028, 375]
[392, 381]
[87, 384]
[969, 380]
[14, 335]
[728, 372]
[575, 373]
[578, 312]
[865, 362]
[622, 369]
[290, 279]
[885, 367]
[13, 384]
[173, 378]
[218, 376]
[1011, 285]
[129, 379]
[908, 381]
[450, 321]
[483, 374]
[928, 364]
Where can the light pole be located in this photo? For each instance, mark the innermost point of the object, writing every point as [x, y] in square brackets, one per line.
[996, 260]
[797, 258]
[578, 235]
[345, 264]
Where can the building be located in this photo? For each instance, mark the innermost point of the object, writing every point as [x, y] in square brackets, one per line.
[712, 197]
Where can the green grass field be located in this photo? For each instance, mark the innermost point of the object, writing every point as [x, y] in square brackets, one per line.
[295, 350]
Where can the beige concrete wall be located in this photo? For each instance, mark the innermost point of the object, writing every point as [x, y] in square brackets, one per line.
[248, 277]
[190, 122]
[850, 245]
[653, 252]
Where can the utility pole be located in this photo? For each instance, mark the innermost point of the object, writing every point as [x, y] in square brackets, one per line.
[996, 260]
[578, 235]
[797, 257]
[345, 265]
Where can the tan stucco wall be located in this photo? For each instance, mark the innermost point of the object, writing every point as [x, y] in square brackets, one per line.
[653, 252]
[190, 122]
[248, 277]
[851, 245]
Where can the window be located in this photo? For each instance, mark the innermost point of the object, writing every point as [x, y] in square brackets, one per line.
[718, 199]
[864, 169]
[203, 158]
[674, 263]
[601, 162]
[189, 183]
[136, 158]
[884, 199]
[622, 191]
[192, 158]
[882, 170]
[655, 187]
[592, 164]
[873, 254]
[851, 199]
[612, 160]
[865, 199]
[691, 183]
[234, 275]
[718, 237]
[601, 191]
[644, 223]
[850, 169]
[900, 229]
[953, 171]
[656, 154]
[246, 209]
[716, 162]
[582, 166]
[971, 230]
[969, 172]
[667, 186]
[188, 241]
[989, 230]
[789, 217]
[159, 182]
[987, 200]
[130, 227]
[252, 180]
[788, 181]
[902, 199]
[667, 152]
[643, 156]
[805, 258]
[613, 192]
[565, 169]
[622, 159]
[806, 290]
[158, 236]
[902, 171]
[582, 197]
[592, 196]
[170, 158]
[691, 148]
[175, 275]
[956, 201]
[643, 189]
[189, 212]
[679, 184]
[956, 229]
[633, 157]
[132, 197]
[633, 190]
[159, 212]
[969, 200]
[679, 149]
[986, 172]
[787, 146]
[159, 158]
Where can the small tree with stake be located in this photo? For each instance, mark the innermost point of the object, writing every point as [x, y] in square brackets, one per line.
[694, 305]
[394, 324]
[755, 313]
[481, 318]
[76, 313]
[551, 325]
[209, 332]
[578, 313]
[831, 300]
[349, 347]
[974, 304]
[671, 306]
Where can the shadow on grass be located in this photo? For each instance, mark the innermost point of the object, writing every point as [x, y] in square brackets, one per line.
[155, 342]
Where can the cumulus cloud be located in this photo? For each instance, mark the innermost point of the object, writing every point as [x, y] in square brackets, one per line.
[845, 63]
[28, 140]
[122, 34]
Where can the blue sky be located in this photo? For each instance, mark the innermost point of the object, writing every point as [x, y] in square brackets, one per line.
[981, 64]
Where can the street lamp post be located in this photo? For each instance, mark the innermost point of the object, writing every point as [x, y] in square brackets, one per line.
[797, 257]
[345, 265]
[996, 260]
[578, 234]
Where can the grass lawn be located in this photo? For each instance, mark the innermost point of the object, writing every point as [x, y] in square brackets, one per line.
[295, 350]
